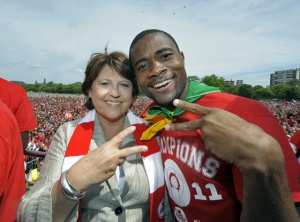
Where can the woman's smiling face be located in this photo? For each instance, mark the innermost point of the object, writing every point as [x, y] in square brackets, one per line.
[111, 94]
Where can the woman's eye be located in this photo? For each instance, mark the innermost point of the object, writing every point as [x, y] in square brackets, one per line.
[125, 85]
[104, 83]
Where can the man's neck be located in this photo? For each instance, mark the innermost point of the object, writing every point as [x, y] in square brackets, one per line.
[184, 92]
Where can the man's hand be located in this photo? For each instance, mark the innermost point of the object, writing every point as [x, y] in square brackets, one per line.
[226, 135]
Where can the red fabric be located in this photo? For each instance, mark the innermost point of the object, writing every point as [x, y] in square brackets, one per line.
[144, 112]
[77, 141]
[201, 186]
[140, 128]
[155, 198]
[79, 146]
[15, 97]
[12, 185]
[295, 139]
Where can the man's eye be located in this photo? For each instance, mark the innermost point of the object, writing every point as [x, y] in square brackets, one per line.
[142, 67]
[166, 56]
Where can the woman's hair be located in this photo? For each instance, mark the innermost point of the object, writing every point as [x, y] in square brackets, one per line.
[115, 60]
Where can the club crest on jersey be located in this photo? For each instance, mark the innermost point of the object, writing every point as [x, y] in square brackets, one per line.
[161, 209]
[177, 186]
[179, 214]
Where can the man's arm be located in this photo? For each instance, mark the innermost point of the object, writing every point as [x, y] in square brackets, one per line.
[266, 194]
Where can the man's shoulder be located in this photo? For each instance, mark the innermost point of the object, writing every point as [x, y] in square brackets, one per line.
[8, 122]
[239, 105]
[220, 95]
[11, 86]
[226, 98]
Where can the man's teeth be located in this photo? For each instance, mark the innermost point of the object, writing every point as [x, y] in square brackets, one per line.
[161, 84]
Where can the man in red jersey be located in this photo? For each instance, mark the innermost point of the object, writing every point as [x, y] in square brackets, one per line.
[12, 186]
[226, 158]
[15, 97]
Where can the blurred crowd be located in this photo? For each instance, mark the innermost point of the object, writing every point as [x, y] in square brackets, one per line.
[53, 111]
[287, 113]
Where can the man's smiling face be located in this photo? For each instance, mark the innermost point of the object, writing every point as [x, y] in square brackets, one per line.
[159, 68]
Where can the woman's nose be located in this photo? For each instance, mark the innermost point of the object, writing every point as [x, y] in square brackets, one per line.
[114, 92]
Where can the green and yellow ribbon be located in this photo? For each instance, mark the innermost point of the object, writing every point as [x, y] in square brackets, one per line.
[159, 116]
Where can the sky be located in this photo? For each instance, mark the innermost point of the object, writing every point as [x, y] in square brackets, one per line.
[233, 39]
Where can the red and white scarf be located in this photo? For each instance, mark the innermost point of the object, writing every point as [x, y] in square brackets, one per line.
[79, 146]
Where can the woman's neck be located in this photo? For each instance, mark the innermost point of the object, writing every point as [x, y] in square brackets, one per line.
[111, 128]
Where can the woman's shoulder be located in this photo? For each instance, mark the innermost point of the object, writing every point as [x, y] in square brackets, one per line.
[72, 123]
[67, 126]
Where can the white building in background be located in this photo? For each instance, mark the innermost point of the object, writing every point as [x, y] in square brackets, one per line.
[229, 82]
[284, 76]
[239, 82]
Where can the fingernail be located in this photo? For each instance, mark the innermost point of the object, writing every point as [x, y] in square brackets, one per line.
[176, 102]
[145, 148]
[167, 127]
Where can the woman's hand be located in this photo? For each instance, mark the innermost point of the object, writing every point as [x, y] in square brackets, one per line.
[101, 163]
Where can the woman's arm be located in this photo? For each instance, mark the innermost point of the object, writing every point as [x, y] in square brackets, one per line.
[36, 204]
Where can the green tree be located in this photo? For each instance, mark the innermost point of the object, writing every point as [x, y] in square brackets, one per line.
[229, 88]
[234, 89]
[193, 78]
[30, 87]
[292, 92]
[279, 91]
[214, 80]
[42, 88]
[257, 87]
[263, 93]
[77, 87]
[60, 88]
[294, 82]
[246, 90]
[50, 83]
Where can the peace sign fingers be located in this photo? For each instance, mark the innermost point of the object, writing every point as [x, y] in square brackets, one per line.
[193, 107]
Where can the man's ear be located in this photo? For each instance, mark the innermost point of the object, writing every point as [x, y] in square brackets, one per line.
[182, 56]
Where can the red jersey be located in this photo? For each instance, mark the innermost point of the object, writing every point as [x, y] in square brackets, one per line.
[295, 144]
[12, 185]
[295, 140]
[15, 97]
[202, 187]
